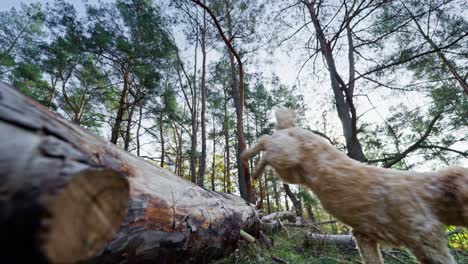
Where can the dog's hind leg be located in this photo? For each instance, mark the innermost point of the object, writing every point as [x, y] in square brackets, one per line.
[368, 248]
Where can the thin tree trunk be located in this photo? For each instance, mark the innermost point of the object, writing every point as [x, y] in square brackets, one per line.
[161, 135]
[310, 212]
[267, 189]
[176, 140]
[260, 185]
[286, 201]
[140, 116]
[296, 202]
[128, 130]
[181, 161]
[80, 107]
[122, 103]
[193, 148]
[245, 184]
[277, 196]
[227, 174]
[50, 98]
[213, 164]
[202, 162]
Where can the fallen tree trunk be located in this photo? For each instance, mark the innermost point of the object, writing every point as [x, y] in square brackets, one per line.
[56, 203]
[283, 215]
[341, 241]
[169, 220]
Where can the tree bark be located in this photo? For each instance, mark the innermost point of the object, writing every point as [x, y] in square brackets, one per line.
[267, 190]
[213, 164]
[193, 147]
[169, 220]
[122, 103]
[60, 203]
[128, 129]
[161, 135]
[296, 202]
[277, 195]
[140, 117]
[227, 170]
[202, 162]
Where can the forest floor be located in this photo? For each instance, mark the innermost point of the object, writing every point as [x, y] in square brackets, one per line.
[292, 248]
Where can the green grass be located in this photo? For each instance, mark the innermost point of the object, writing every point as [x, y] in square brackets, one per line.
[293, 250]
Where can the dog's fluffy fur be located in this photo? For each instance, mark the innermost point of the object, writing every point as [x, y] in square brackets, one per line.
[386, 206]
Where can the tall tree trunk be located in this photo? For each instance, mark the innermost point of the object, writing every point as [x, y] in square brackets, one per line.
[260, 185]
[343, 94]
[140, 116]
[267, 189]
[193, 148]
[310, 212]
[277, 195]
[178, 149]
[161, 135]
[53, 84]
[80, 107]
[213, 164]
[227, 170]
[202, 162]
[122, 103]
[296, 202]
[128, 130]
[245, 184]
[286, 201]
[181, 155]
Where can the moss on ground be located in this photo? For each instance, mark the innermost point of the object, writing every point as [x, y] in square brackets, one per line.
[292, 249]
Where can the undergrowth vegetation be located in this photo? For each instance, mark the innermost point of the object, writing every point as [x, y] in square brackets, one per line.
[293, 248]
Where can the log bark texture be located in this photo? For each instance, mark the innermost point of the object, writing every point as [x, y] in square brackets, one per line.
[59, 202]
[169, 220]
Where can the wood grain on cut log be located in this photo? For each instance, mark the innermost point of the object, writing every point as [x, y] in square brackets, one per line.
[56, 203]
[169, 220]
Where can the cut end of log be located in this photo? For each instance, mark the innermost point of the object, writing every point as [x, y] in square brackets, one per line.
[85, 216]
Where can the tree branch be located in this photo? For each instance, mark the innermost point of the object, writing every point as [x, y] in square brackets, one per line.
[416, 145]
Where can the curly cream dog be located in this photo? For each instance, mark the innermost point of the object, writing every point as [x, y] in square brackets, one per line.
[386, 206]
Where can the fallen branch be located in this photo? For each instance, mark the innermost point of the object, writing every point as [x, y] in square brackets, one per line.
[338, 240]
[278, 259]
[283, 215]
[246, 236]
